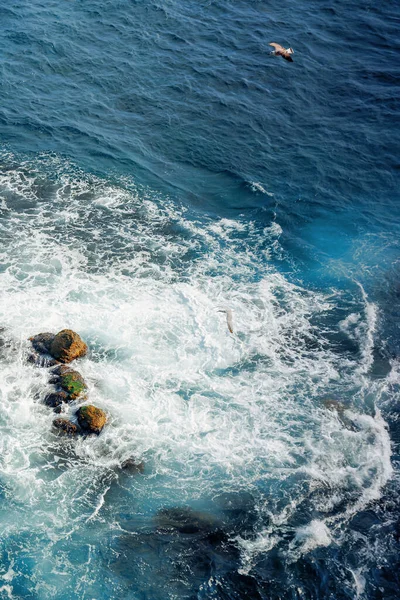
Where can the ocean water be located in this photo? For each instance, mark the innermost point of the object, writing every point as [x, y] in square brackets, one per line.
[157, 166]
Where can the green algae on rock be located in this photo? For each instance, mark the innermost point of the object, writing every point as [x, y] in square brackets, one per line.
[70, 381]
[74, 385]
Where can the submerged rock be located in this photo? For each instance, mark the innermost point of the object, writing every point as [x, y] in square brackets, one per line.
[67, 346]
[91, 419]
[133, 466]
[186, 520]
[340, 409]
[65, 426]
[334, 405]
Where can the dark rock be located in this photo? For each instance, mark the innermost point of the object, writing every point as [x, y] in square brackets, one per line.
[41, 360]
[40, 356]
[67, 346]
[42, 342]
[133, 466]
[56, 399]
[91, 419]
[65, 426]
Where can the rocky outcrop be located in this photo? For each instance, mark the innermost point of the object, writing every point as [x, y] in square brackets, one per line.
[65, 426]
[49, 349]
[91, 419]
[67, 346]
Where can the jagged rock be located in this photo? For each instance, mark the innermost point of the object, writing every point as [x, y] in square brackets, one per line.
[91, 419]
[133, 466]
[67, 346]
[65, 426]
[56, 399]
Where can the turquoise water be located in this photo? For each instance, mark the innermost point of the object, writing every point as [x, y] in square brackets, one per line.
[157, 165]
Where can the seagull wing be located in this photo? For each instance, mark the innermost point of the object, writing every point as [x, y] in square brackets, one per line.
[277, 47]
[229, 320]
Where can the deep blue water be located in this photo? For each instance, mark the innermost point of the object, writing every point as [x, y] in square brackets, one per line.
[156, 165]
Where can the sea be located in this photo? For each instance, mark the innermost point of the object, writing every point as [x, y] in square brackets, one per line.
[158, 166]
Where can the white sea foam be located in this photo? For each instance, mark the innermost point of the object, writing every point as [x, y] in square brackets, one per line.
[312, 536]
[209, 412]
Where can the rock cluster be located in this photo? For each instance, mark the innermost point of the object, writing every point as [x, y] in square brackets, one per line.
[49, 349]
[57, 351]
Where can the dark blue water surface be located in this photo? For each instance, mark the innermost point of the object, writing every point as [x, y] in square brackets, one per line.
[156, 164]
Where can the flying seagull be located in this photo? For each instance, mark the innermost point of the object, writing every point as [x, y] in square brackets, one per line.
[281, 51]
[229, 320]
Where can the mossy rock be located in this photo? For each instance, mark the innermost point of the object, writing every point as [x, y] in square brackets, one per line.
[91, 419]
[65, 426]
[67, 346]
[73, 384]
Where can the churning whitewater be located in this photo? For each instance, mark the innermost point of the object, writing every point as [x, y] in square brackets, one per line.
[274, 431]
